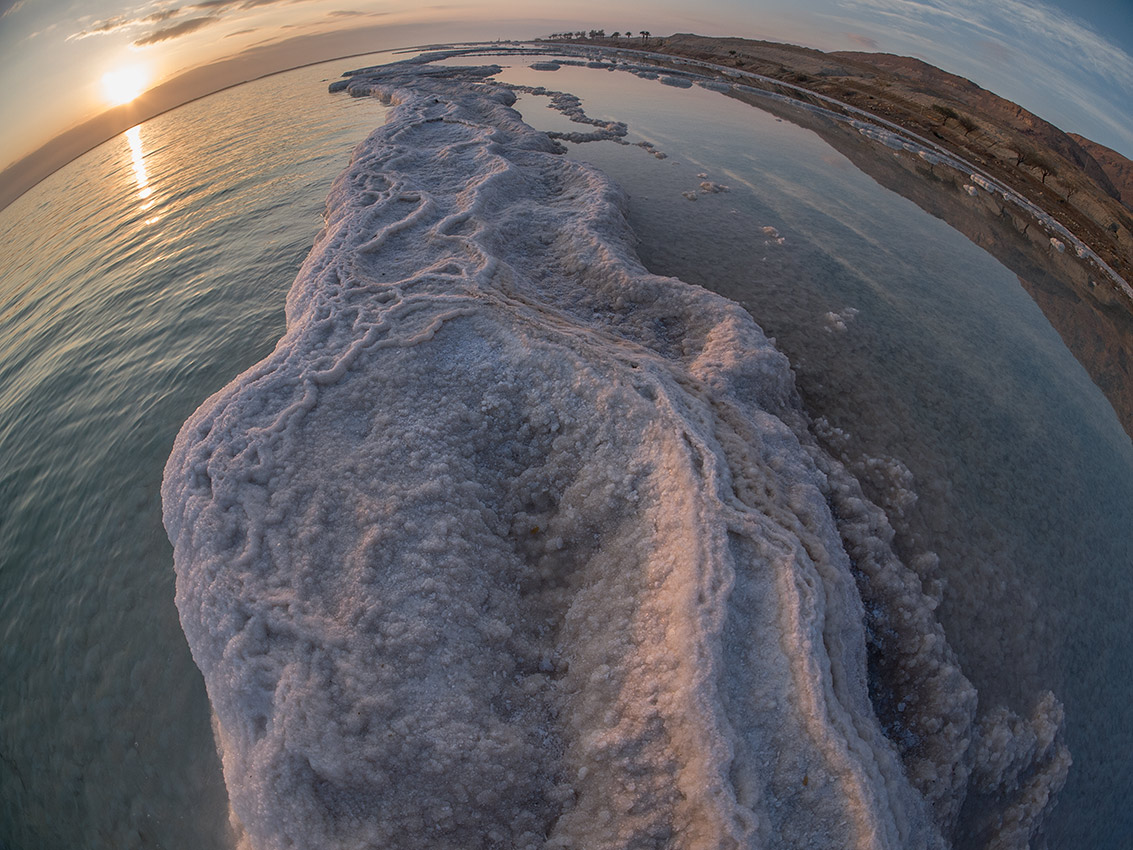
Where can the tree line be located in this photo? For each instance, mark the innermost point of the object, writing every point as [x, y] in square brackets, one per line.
[598, 34]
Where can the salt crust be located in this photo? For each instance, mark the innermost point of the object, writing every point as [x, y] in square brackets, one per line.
[510, 543]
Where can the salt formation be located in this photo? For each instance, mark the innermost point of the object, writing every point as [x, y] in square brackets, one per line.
[510, 543]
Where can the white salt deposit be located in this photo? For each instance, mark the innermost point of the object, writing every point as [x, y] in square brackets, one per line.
[708, 187]
[986, 184]
[838, 321]
[772, 234]
[510, 543]
[714, 85]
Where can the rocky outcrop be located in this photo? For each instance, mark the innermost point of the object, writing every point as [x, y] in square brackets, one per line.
[1117, 168]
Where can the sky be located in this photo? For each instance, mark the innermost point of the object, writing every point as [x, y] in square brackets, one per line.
[1069, 61]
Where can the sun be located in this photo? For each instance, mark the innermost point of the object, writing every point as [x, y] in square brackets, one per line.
[124, 84]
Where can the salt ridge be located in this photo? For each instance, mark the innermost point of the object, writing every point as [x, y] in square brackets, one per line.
[510, 543]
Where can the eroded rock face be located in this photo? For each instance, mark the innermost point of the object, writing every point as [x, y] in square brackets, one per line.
[1117, 168]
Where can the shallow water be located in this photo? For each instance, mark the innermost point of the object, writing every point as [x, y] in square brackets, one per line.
[121, 316]
[121, 313]
[1018, 465]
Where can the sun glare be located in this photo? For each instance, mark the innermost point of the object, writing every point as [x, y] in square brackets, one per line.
[124, 84]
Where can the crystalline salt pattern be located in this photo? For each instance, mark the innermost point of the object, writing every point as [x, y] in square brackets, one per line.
[510, 543]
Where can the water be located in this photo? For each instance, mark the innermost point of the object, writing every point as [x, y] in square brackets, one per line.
[136, 281]
[943, 364]
[121, 313]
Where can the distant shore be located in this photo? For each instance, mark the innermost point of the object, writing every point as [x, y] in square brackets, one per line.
[1086, 187]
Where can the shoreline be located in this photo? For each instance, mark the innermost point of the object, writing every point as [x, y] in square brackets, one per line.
[1077, 272]
[1054, 171]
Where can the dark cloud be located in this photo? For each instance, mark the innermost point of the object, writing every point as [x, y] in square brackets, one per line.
[176, 30]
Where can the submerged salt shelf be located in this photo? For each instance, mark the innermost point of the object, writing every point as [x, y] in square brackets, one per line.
[512, 543]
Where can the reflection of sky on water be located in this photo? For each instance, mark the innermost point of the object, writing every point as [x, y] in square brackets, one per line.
[933, 359]
[1046, 58]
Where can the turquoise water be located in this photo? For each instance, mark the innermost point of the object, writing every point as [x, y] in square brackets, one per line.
[146, 274]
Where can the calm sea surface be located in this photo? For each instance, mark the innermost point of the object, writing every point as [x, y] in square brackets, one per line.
[143, 276]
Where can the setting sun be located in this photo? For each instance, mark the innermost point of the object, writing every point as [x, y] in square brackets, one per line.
[124, 84]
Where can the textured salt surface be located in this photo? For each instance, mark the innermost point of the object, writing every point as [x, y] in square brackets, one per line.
[511, 543]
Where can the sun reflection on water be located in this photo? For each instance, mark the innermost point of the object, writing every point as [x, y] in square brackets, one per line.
[145, 191]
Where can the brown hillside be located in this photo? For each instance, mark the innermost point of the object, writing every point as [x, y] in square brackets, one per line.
[1047, 166]
[1118, 169]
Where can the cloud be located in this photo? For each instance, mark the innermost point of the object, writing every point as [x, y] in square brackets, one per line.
[1060, 67]
[176, 30]
[344, 13]
[234, 5]
[126, 21]
[43, 31]
[8, 7]
[102, 27]
[142, 19]
[1032, 26]
[158, 17]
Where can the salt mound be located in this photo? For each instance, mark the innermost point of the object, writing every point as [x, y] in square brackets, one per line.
[510, 543]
